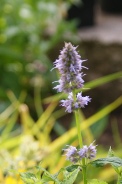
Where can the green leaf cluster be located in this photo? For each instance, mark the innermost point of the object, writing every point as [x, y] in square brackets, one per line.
[69, 176]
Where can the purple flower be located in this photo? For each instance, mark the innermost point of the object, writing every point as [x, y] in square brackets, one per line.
[70, 104]
[91, 151]
[69, 65]
[82, 101]
[83, 152]
[74, 155]
[88, 151]
[71, 154]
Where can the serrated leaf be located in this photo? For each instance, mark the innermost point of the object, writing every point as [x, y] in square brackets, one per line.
[49, 177]
[95, 181]
[114, 161]
[71, 177]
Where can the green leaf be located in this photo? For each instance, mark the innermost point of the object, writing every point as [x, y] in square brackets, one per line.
[49, 177]
[28, 178]
[98, 127]
[71, 168]
[95, 181]
[71, 177]
[120, 180]
[110, 152]
[102, 80]
[114, 161]
[59, 129]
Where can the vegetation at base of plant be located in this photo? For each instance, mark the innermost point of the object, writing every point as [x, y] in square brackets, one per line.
[114, 161]
[70, 173]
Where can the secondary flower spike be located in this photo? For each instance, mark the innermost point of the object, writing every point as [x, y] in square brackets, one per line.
[76, 155]
[69, 65]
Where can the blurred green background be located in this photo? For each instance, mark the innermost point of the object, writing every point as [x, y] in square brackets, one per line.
[28, 31]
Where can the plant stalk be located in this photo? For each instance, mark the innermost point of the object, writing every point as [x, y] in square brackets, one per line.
[119, 179]
[81, 145]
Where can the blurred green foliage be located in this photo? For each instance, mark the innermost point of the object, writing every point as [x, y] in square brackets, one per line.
[28, 31]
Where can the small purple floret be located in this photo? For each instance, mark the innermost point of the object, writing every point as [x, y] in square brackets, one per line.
[83, 152]
[82, 101]
[92, 151]
[71, 154]
[88, 151]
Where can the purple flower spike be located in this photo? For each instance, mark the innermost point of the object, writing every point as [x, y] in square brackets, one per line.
[69, 65]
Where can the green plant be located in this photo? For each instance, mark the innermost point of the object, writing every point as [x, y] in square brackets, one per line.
[16, 132]
[69, 65]
[19, 130]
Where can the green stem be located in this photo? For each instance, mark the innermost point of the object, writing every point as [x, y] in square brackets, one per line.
[84, 174]
[119, 179]
[78, 128]
[81, 145]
